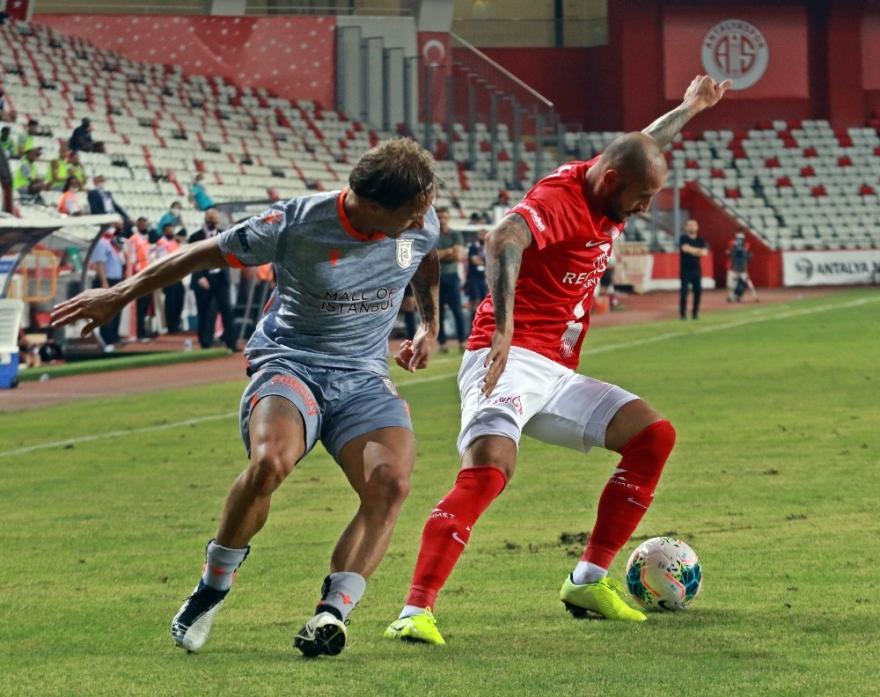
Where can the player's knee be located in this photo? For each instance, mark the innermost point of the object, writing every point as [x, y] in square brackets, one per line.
[387, 488]
[492, 451]
[661, 438]
[269, 467]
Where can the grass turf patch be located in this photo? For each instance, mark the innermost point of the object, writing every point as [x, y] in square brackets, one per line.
[775, 481]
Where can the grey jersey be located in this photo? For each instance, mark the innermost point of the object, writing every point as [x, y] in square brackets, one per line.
[338, 291]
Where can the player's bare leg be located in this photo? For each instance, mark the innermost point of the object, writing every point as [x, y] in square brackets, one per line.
[277, 443]
[644, 440]
[487, 466]
[378, 465]
[630, 420]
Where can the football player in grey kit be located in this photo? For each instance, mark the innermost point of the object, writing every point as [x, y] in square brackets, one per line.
[318, 368]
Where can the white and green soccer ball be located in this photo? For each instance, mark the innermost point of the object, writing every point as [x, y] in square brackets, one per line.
[663, 574]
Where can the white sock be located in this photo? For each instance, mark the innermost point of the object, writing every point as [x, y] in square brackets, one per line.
[220, 565]
[410, 610]
[587, 572]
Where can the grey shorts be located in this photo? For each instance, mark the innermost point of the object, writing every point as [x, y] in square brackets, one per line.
[336, 405]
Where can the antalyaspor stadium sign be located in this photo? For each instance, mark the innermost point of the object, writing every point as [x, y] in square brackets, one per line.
[831, 268]
[735, 50]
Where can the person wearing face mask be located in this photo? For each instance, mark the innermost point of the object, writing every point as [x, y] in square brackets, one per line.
[109, 265]
[137, 259]
[211, 287]
[167, 244]
[101, 202]
[170, 217]
[198, 195]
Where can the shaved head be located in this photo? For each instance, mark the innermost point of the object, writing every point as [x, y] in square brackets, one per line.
[628, 174]
[634, 155]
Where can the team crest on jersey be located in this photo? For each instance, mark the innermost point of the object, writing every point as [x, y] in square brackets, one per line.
[404, 253]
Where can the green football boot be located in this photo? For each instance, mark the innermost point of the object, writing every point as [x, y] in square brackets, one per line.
[418, 628]
[601, 599]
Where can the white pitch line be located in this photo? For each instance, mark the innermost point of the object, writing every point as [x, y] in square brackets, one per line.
[445, 376]
[116, 434]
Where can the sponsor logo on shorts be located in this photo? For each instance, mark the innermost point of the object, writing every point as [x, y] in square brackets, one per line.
[300, 389]
[514, 400]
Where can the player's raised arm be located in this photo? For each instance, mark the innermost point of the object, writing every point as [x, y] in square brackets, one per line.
[413, 355]
[101, 304]
[504, 249]
[703, 93]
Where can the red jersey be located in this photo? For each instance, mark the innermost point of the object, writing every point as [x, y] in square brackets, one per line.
[560, 269]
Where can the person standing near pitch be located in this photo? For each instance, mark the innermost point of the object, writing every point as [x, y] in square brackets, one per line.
[544, 261]
[317, 363]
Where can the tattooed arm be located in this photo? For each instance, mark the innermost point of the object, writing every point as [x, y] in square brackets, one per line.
[426, 289]
[702, 94]
[414, 355]
[504, 250]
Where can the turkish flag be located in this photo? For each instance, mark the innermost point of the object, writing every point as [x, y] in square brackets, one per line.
[19, 9]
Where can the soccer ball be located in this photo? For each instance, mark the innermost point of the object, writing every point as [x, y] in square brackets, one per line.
[663, 574]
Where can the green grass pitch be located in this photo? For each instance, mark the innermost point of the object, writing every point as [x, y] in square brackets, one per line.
[775, 481]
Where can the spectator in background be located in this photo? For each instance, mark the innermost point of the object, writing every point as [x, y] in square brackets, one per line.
[6, 113]
[138, 258]
[75, 169]
[738, 272]
[6, 191]
[142, 227]
[108, 263]
[101, 202]
[408, 308]
[692, 248]
[174, 294]
[81, 138]
[170, 217]
[28, 180]
[25, 141]
[212, 290]
[7, 145]
[69, 203]
[197, 194]
[59, 168]
[475, 281]
[450, 249]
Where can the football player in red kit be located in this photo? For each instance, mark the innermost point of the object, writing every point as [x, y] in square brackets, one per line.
[544, 261]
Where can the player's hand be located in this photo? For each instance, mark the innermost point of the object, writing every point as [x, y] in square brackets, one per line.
[204, 283]
[704, 92]
[414, 354]
[98, 306]
[496, 360]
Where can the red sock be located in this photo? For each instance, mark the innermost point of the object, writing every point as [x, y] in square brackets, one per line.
[628, 494]
[449, 528]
